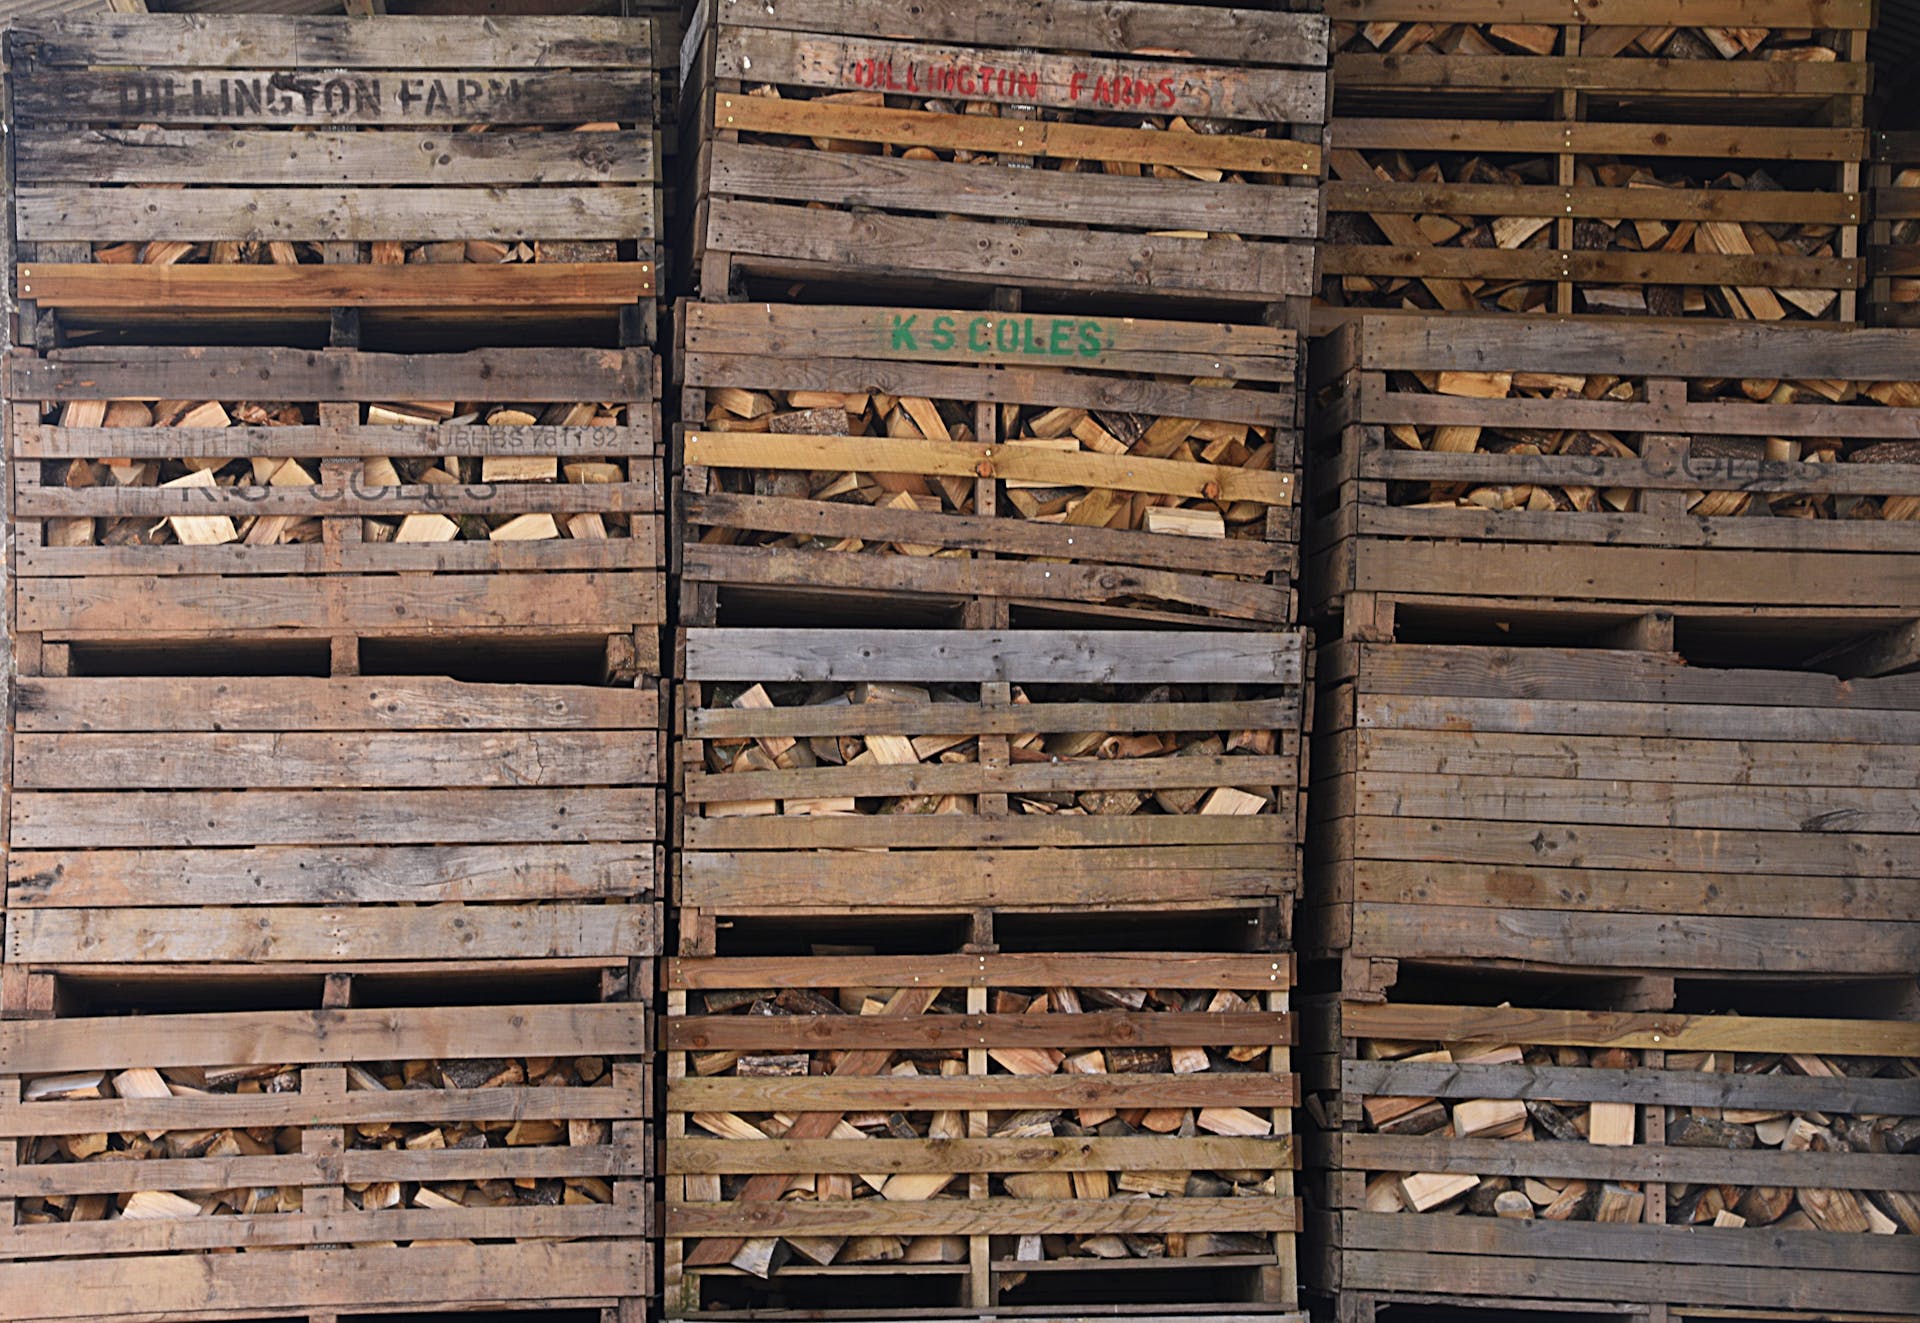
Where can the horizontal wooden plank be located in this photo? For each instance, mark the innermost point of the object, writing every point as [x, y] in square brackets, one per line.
[1118, 344]
[807, 239]
[445, 603]
[961, 1092]
[324, 500]
[1637, 941]
[432, 1277]
[356, 1107]
[1049, 139]
[414, 285]
[1683, 418]
[307, 703]
[1707, 350]
[318, 158]
[1019, 77]
[1728, 141]
[1641, 1162]
[1666, 1031]
[1846, 14]
[1197, 771]
[1657, 717]
[173, 1236]
[1212, 33]
[694, 1156]
[356, 215]
[961, 656]
[47, 441]
[721, 723]
[1718, 473]
[329, 1037]
[1011, 1217]
[1593, 266]
[642, 551]
[336, 875]
[387, 96]
[1015, 832]
[1156, 969]
[263, 935]
[1662, 1088]
[799, 1033]
[1416, 70]
[1556, 532]
[1009, 462]
[332, 43]
[336, 375]
[164, 819]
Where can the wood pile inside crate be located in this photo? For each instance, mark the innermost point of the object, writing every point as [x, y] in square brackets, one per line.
[1757, 1161]
[1009, 1115]
[1502, 158]
[953, 770]
[345, 1158]
[1112, 462]
[1158, 149]
[1895, 260]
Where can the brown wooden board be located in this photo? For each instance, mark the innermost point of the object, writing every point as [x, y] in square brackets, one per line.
[212, 1165]
[1009, 459]
[1707, 1162]
[1585, 808]
[1545, 158]
[1711, 468]
[1164, 152]
[278, 492]
[148, 142]
[835, 772]
[1893, 298]
[284, 820]
[1006, 1119]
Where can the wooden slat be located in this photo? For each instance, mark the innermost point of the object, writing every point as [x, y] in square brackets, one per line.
[891, 1156]
[1849, 14]
[1640, 1162]
[1078, 1217]
[415, 285]
[1664, 1031]
[1157, 969]
[1645, 1087]
[961, 1093]
[504, 42]
[1069, 775]
[709, 1033]
[49, 441]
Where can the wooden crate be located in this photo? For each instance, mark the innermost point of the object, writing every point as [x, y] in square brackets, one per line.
[988, 773]
[988, 1195]
[1894, 297]
[294, 1171]
[1621, 467]
[1682, 1164]
[1517, 157]
[986, 447]
[277, 505]
[167, 167]
[1158, 151]
[1586, 808]
[291, 821]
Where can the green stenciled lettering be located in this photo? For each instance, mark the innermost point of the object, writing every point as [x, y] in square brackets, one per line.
[977, 339]
[1032, 342]
[1057, 338]
[903, 337]
[1092, 345]
[1008, 336]
[942, 337]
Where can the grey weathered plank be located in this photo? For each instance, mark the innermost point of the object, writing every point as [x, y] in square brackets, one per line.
[1847, 1171]
[1663, 1088]
[317, 501]
[940, 656]
[265, 158]
[49, 441]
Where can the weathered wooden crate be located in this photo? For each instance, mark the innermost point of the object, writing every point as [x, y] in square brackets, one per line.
[276, 1163]
[842, 772]
[1064, 462]
[1715, 470]
[170, 167]
[1587, 808]
[308, 493]
[290, 821]
[1894, 297]
[1517, 157]
[1680, 1164]
[1152, 150]
[980, 1133]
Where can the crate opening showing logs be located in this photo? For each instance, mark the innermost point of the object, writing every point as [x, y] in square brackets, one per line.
[1173, 156]
[981, 1131]
[1494, 159]
[1031, 461]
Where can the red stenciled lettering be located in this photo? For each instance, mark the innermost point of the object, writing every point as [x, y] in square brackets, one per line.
[913, 77]
[1076, 81]
[966, 80]
[1027, 85]
[1167, 93]
[1103, 90]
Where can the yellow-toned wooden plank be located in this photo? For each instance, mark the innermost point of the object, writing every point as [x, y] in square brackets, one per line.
[420, 285]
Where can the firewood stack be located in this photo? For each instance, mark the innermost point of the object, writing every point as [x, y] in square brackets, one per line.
[1666, 42]
[1785, 1208]
[126, 1150]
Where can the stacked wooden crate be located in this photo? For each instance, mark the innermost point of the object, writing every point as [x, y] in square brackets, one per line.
[1632, 158]
[1894, 261]
[337, 824]
[992, 714]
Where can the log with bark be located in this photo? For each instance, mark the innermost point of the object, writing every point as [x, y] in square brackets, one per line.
[1885, 1212]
